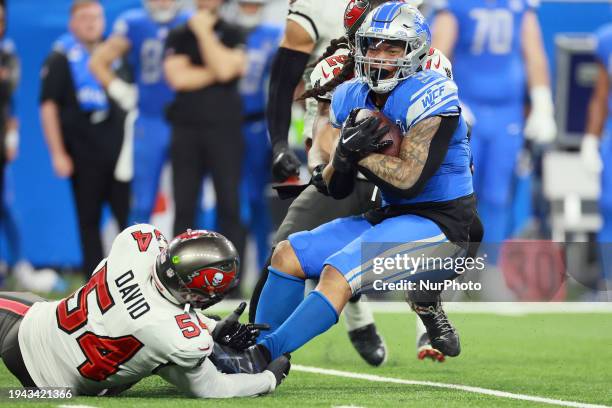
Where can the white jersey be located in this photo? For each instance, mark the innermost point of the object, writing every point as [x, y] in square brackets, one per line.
[118, 328]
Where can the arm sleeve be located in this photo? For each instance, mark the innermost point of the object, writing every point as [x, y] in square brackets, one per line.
[54, 77]
[287, 68]
[205, 381]
[437, 153]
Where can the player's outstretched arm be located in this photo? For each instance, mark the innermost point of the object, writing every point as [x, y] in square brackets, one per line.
[422, 151]
[287, 68]
[540, 125]
[205, 381]
[596, 117]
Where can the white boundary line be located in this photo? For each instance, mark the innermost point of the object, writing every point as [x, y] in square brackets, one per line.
[466, 388]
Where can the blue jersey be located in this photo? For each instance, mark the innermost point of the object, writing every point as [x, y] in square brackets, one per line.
[147, 38]
[488, 63]
[422, 95]
[261, 46]
[604, 54]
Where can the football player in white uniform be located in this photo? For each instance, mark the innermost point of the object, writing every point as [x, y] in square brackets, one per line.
[311, 25]
[135, 317]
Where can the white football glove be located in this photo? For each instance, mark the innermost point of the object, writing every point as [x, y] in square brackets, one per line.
[541, 126]
[589, 153]
[124, 94]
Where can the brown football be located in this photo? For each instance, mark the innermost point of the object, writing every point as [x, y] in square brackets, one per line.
[394, 134]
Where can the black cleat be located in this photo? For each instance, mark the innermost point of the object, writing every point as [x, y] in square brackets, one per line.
[369, 344]
[442, 334]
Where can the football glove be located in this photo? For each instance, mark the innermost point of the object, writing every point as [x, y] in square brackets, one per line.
[357, 140]
[285, 163]
[280, 368]
[540, 126]
[124, 94]
[589, 153]
[317, 179]
[230, 332]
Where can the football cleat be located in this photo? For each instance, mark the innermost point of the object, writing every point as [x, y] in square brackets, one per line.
[442, 334]
[424, 350]
[369, 344]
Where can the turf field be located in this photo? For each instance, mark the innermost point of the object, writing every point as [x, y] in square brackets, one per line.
[555, 356]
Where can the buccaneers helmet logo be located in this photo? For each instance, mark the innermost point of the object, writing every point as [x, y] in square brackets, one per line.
[210, 280]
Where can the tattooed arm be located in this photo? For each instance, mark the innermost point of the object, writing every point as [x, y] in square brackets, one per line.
[422, 152]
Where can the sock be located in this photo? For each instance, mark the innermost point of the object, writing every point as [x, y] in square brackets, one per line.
[313, 316]
[357, 315]
[279, 297]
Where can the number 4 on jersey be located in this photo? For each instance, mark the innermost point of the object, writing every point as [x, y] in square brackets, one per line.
[143, 239]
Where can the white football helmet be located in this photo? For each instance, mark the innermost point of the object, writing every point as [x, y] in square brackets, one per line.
[162, 11]
[393, 22]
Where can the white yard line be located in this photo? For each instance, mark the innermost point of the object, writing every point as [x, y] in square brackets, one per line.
[75, 406]
[466, 388]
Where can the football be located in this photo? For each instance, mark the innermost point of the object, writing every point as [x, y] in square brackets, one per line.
[394, 134]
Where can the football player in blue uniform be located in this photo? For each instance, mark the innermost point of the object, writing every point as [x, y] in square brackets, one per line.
[261, 45]
[140, 34]
[428, 201]
[496, 49]
[599, 127]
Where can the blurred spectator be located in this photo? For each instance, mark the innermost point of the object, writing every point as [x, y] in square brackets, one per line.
[84, 128]
[25, 275]
[496, 49]
[599, 127]
[9, 77]
[204, 60]
[140, 34]
[261, 45]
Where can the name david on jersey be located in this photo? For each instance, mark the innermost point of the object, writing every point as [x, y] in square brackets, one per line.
[131, 295]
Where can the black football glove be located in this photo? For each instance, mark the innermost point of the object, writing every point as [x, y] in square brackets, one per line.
[357, 140]
[317, 179]
[280, 368]
[285, 163]
[230, 332]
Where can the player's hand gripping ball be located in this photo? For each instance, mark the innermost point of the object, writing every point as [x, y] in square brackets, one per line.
[391, 140]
